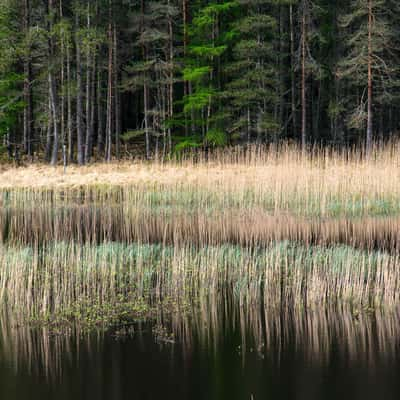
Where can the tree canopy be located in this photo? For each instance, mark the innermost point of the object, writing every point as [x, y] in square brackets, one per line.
[124, 78]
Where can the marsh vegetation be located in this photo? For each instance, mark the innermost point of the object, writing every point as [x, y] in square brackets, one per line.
[271, 225]
[288, 249]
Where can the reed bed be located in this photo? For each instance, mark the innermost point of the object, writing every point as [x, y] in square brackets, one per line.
[272, 167]
[275, 225]
[321, 183]
[67, 279]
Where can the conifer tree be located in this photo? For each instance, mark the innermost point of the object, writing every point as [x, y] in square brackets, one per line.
[369, 64]
[252, 87]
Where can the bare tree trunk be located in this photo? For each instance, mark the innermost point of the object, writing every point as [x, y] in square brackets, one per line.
[53, 89]
[100, 125]
[62, 96]
[69, 107]
[303, 82]
[145, 91]
[28, 110]
[369, 117]
[293, 77]
[92, 106]
[117, 97]
[282, 51]
[146, 120]
[79, 128]
[171, 78]
[99, 99]
[185, 12]
[54, 110]
[88, 94]
[49, 128]
[110, 86]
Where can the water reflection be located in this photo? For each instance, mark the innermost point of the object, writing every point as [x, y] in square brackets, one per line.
[318, 336]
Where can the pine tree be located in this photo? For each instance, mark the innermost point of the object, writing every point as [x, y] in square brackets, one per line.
[11, 79]
[209, 40]
[369, 64]
[252, 87]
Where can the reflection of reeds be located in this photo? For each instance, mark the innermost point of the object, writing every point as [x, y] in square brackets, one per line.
[36, 351]
[56, 276]
[37, 219]
[318, 336]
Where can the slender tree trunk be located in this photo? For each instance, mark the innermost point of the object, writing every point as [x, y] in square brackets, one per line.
[92, 106]
[88, 94]
[117, 97]
[62, 96]
[185, 13]
[79, 108]
[53, 89]
[145, 90]
[110, 86]
[69, 107]
[282, 51]
[171, 78]
[100, 125]
[292, 70]
[369, 116]
[146, 120]
[54, 110]
[28, 110]
[303, 82]
[49, 135]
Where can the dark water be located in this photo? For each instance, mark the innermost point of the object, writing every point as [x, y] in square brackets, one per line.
[317, 356]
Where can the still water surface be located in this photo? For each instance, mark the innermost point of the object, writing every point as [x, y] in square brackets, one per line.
[314, 356]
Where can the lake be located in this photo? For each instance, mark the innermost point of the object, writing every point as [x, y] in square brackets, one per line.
[218, 352]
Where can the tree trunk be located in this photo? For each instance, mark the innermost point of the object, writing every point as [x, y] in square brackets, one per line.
[303, 82]
[49, 127]
[293, 77]
[92, 105]
[62, 96]
[88, 94]
[171, 78]
[185, 13]
[369, 116]
[28, 110]
[110, 86]
[100, 125]
[145, 91]
[79, 128]
[117, 97]
[146, 121]
[54, 111]
[53, 89]
[281, 76]
[69, 107]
